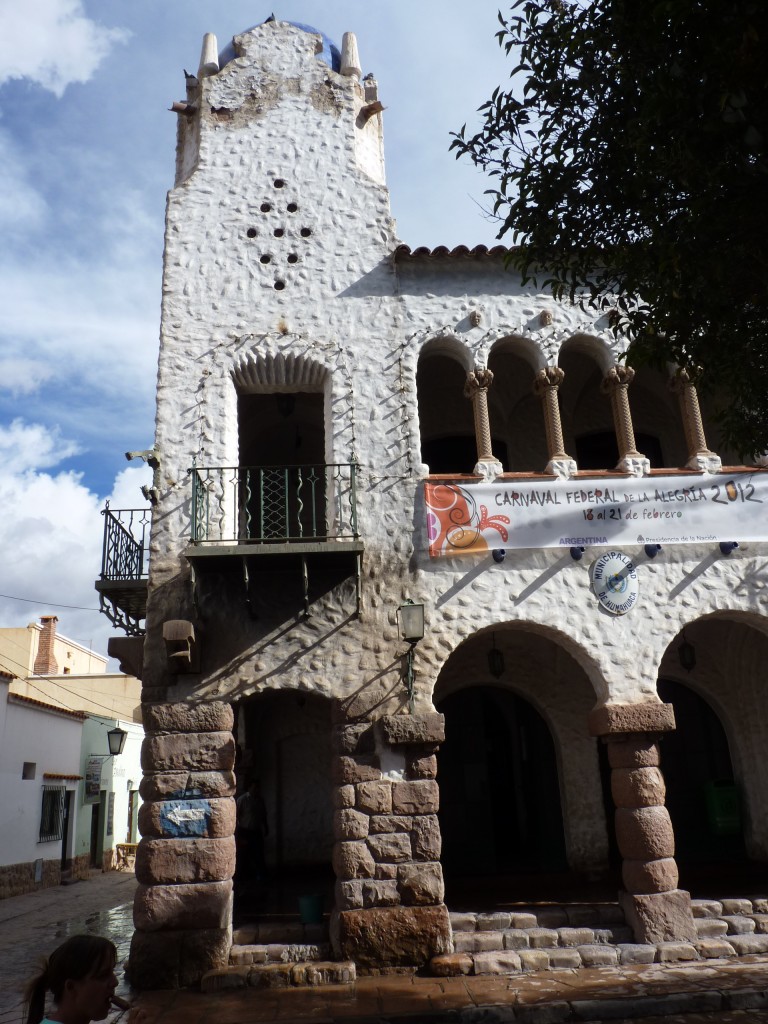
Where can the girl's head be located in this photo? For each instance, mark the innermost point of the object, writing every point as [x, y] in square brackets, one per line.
[81, 976]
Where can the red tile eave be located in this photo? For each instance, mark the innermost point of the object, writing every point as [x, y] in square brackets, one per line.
[16, 698]
[62, 776]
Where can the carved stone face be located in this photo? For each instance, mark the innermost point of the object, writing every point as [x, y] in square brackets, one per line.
[475, 317]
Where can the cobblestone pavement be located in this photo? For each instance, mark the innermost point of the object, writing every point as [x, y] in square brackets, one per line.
[733, 991]
[34, 924]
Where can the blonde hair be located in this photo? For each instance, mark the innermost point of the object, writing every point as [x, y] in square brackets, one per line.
[77, 958]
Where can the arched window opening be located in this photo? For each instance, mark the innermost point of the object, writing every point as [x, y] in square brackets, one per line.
[516, 413]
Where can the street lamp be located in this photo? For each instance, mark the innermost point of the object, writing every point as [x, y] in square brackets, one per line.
[116, 738]
[411, 621]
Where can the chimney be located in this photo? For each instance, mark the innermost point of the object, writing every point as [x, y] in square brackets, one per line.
[45, 662]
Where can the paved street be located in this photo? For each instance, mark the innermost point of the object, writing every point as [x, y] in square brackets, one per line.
[36, 923]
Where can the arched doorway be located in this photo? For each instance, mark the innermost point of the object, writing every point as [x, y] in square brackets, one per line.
[284, 743]
[501, 810]
[519, 775]
[702, 796]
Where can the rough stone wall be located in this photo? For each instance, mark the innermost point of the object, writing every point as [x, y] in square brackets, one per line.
[16, 879]
[387, 850]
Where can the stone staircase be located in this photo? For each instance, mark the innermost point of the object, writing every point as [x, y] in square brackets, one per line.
[280, 954]
[538, 938]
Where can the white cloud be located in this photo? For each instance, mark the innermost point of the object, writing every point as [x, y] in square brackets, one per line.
[51, 533]
[23, 376]
[52, 42]
[21, 206]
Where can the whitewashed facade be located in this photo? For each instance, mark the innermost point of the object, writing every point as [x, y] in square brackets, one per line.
[297, 331]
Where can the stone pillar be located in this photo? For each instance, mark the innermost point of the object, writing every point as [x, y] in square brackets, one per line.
[616, 385]
[699, 455]
[545, 386]
[389, 889]
[476, 388]
[186, 859]
[655, 908]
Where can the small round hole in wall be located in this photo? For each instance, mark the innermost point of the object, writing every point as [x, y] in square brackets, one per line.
[292, 207]
[266, 258]
[279, 285]
[251, 232]
[279, 232]
[279, 183]
[266, 207]
[306, 232]
[292, 257]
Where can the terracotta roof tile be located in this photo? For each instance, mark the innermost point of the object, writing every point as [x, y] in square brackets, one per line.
[15, 698]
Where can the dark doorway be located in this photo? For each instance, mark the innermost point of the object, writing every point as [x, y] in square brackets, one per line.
[284, 742]
[282, 478]
[702, 797]
[500, 810]
[66, 829]
[97, 818]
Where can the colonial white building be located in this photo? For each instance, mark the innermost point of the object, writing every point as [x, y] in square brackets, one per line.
[345, 425]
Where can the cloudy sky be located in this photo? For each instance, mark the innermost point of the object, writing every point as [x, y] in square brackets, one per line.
[86, 157]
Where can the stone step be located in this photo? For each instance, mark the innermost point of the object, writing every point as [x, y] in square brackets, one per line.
[552, 916]
[283, 975]
[284, 932]
[710, 927]
[539, 938]
[243, 954]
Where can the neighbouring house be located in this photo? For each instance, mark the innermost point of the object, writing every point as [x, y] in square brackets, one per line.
[483, 610]
[66, 804]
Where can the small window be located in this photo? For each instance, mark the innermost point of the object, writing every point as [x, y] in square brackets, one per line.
[52, 815]
[29, 770]
[67, 670]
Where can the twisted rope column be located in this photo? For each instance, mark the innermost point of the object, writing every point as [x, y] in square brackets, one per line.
[476, 388]
[615, 384]
[699, 455]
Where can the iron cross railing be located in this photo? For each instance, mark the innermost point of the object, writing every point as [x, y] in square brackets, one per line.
[274, 504]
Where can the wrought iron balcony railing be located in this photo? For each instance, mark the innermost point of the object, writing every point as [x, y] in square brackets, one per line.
[125, 552]
[122, 585]
[274, 504]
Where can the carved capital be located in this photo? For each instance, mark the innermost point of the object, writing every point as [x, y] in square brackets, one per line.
[549, 377]
[479, 379]
[685, 377]
[619, 376]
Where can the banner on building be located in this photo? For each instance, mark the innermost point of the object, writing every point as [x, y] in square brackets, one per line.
[93, 778]
[465, 518]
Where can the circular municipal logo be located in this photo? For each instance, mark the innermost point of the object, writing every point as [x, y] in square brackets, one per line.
[615, 583]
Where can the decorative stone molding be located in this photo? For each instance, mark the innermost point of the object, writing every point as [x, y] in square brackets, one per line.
[545, 386]
[180, 644]
[699, 456]
[476, 388]
[648, 717]
[399, 729]
[615, 384]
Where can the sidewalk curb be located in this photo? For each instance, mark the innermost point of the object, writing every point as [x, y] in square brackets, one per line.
[586, 1010]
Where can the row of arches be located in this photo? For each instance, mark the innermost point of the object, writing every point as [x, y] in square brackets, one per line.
[524, 789]
[516, 418]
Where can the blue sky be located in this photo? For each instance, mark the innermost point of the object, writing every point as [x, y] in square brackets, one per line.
[86, 158]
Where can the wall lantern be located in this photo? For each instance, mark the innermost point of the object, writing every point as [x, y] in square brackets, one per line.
[116, 738]
[686, 652]
[495, 661]
[727, 546]
[411, 622]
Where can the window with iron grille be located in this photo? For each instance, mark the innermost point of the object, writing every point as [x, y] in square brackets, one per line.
[52, 816]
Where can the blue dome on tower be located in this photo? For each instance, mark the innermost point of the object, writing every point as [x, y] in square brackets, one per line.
[330, 53]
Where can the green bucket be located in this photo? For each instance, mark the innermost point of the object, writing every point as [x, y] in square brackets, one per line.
[311, 909]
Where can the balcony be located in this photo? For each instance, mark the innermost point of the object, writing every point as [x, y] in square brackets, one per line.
[300, 520]
[122, 585]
